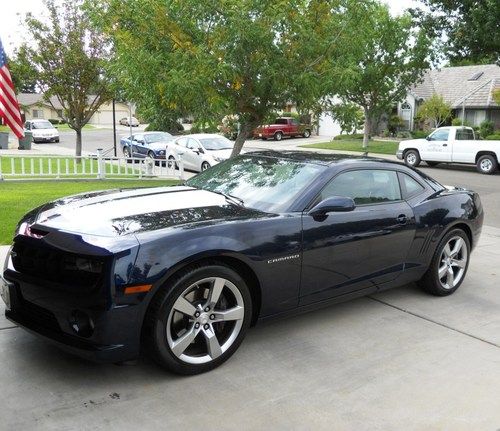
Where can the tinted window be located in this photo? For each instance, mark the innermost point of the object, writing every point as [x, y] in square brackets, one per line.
[264, 183]
[281, 121]
[440, 135]
[365, 186]
[464, 135]
[410, 186]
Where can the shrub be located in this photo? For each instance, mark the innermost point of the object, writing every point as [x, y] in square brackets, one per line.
[174, 128]
[458, 122]
[404, 135]
[395, 124]
[419, 134]
[493, 137]
[229, 126]
[486, 128]
[54, 121]
[204, 127]
[349, 136]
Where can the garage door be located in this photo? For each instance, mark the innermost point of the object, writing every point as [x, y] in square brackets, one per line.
[105, 118]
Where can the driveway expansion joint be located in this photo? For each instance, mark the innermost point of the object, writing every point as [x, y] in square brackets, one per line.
[428, 319]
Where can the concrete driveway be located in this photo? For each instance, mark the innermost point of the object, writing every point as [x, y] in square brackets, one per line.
[399, 360]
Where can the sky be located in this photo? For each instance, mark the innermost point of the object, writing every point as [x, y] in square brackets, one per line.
[11, 32]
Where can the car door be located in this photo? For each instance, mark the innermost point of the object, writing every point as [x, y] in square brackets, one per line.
[139, 146]
[438, 147]
[357, 250]
[193, 154]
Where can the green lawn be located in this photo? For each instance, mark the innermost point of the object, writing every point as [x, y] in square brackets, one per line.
[37, 166]
[4, 129]
[377, 147]
[17, 198]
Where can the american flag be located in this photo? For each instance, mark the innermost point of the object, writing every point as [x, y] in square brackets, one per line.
[9, 107]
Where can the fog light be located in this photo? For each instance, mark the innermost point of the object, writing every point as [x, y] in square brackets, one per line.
[81, 323]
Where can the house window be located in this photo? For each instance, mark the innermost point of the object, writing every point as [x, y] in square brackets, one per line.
[37, 113]
[59, 113]
[406, 115]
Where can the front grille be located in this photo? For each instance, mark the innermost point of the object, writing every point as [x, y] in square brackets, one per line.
[50, 264]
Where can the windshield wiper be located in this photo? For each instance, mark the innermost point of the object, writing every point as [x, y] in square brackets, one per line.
[231, 198]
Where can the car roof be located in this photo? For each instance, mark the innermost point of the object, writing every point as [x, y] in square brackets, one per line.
[317, 158]
[37, 120]
[202, 135]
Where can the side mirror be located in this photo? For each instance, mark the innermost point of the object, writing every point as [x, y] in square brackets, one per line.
[330, 205]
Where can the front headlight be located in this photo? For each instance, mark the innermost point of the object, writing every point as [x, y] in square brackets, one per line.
[218, 159]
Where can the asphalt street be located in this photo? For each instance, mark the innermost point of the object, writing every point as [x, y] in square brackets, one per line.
[398, 360]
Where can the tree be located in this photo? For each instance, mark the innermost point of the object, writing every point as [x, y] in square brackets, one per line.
[22, 71]
[435, 109]
[68, 57]
[348, 115]
[496, 95]
[387, 55]
[210, 59]
[471, 29]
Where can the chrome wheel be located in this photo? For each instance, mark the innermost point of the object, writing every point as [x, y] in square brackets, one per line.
[205, 320]
[171, 162]
[411, 158]
[486, 165]
[453, 262]
[204, 166]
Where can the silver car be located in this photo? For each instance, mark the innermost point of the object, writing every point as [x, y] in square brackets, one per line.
[200, 151]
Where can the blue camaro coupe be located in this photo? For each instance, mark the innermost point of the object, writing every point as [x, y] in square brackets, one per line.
[147, 144]
[182, 272]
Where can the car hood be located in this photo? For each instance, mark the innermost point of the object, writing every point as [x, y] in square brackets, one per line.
[157, 146]
[115, 213]
[408, 142]
[223, 154]
[44, 131]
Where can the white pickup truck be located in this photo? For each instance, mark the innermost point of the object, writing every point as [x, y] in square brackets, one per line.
[451, 145]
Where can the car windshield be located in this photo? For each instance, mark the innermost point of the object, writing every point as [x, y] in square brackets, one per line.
[42, 125]
[157, 137]
[216, 143]
[264, 183]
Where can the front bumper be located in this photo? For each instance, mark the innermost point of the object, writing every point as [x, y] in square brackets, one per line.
[115, 335]
[399, 154]
[45, 138]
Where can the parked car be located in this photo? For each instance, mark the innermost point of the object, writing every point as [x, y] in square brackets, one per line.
[42, 130]
[282, 127]
[182, 272]
[147, 144]
[129, 121]
[451, 145]
[200, 151]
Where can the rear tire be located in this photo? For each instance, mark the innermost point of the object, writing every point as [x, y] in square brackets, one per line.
[307, 133]
[412, 158]
[487, 164]
[126, 153]
[449, 264]
[186, 331]
[278, 136]
[432, 164]
[205, 166]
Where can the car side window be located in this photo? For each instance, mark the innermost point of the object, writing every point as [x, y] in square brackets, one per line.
[440, 135]
[409, 186]
[365, 186]
[192, 144]
[139, 138]
[27, 125]
[181, 141]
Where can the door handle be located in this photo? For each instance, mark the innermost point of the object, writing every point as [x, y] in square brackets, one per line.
[402, 219]
[445, 145]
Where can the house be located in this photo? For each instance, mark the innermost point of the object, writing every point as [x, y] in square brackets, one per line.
[34, 106]
[468, 89]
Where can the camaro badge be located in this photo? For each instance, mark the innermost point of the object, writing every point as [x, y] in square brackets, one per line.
[282, 259]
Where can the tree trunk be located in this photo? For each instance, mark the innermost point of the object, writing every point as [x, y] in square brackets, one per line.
[245, 132]
[78, 151]
[367, 130]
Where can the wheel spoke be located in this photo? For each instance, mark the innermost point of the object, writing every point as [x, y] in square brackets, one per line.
[182, 343]
[442, 271]
[450, 278]
[457, 247]
[184, 306]
[215, 291]
[459, 263]
[213, 346]
[446, 250]
[235, 313]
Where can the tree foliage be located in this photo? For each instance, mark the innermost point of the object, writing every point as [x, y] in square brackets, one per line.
[383, 60]
[68, 57]
[210, 59]
[435, 109]
[349, 116]
[22, 71]
[471, 29]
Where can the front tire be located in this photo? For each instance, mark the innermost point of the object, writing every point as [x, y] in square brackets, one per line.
[487, 164]
[196, 323]
[412, 158]
[205, 166]
[449, 264]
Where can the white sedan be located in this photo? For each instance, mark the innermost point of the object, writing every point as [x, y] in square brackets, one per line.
[199, 151]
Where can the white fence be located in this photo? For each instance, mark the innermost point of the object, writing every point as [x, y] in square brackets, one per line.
[96, 166]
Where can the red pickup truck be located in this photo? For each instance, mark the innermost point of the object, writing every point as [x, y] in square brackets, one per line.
[282, 127]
